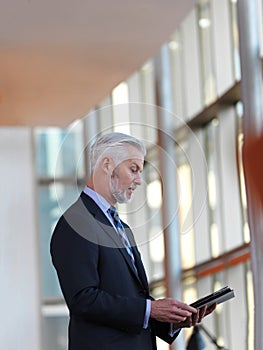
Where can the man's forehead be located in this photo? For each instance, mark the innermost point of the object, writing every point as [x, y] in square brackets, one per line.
[138, 162]
[134, 160]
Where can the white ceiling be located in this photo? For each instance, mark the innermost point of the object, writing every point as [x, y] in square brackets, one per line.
[59, 58]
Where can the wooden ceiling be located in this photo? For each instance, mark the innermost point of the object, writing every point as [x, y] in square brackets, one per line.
[60, 58]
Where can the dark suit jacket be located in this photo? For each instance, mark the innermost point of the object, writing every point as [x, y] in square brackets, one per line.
[105, 296]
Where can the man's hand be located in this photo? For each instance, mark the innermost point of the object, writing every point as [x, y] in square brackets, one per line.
[171, 310]
[195, 318]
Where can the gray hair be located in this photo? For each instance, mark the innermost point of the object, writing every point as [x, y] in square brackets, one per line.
[113, 145]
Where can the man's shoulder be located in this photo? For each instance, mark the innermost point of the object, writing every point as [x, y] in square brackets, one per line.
[83, 218]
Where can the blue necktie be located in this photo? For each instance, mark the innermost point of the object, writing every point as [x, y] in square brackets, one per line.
[121, 231]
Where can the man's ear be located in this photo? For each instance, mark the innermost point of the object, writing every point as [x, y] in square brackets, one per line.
[108, 165]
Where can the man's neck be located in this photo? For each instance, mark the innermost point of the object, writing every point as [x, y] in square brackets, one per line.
[109, 198]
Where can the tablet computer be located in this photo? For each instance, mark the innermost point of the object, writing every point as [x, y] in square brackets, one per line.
[217, 297]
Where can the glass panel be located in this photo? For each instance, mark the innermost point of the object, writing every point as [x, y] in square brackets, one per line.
[240, 141]
[155, 239]
[159, 292]
[55, 333]
[59, 152]
[235, 311]
[189, 296]
[105, 113]
[156, 247]
[236, 55]
[149, 110]
[52, 201]
[185, 214]
[198, 217]
[192, 78]
[154, 221]
[232, 234]
[204, 22]
[229, 322]
[214, 188]
[177, 81]
[120, 101]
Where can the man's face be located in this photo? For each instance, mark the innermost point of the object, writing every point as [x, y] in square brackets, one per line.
[127, 176]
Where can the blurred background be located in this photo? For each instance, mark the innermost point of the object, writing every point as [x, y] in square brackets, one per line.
[172, 73]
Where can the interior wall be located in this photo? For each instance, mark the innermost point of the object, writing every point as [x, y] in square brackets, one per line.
[19, 268]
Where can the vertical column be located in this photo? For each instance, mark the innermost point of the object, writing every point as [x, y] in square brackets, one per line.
[168, 170]
[251, 85]
[19, 261]
[90, 133]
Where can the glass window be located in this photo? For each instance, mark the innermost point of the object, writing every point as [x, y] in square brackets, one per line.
[105, 115]
[53, 200]
[121, 115]
[149, 110]
[55, 336]
[58, 151]
[154, 222]
[243, 197]
[184, 176]
[232, 228]
[235, 36]
[177, 81]
[60, 169]
[228, 323]
[215, 222]
[204, 23]
[192, 75]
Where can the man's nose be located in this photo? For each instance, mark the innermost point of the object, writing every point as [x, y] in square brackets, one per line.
[138, 179]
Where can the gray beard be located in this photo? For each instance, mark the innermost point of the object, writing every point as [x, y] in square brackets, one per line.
[119, 195]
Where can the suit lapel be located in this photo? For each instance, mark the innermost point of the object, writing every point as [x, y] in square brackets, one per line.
[140, 267]
[112, 240]
[141, 276]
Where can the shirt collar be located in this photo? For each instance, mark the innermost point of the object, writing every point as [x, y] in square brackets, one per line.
[98, 199]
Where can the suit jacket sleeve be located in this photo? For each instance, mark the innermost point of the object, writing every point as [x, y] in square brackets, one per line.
[162, 331]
